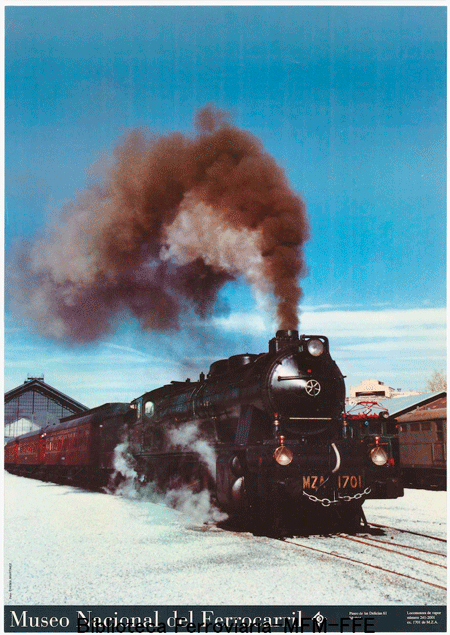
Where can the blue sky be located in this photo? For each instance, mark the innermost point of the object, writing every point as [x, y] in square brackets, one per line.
[351, 103]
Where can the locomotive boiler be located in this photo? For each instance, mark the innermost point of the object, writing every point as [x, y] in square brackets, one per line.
[284, 449]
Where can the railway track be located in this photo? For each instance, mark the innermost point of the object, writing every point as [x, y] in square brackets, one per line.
[396, 544]
[407, 531]
[417, 563]
[377, 544]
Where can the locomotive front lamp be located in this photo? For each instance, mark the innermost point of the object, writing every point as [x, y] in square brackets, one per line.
[315, 348]
[379, 456]
[283, 455]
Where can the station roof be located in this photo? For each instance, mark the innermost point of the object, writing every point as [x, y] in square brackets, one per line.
[40, 385]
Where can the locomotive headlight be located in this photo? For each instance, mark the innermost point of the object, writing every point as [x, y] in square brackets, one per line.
[379, 456]
[315, 348]
[283, 455]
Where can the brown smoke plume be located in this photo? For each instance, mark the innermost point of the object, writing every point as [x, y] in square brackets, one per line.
[175, 218]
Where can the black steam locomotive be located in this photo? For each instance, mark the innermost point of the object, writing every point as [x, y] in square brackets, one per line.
[265, 433]
[285, 451]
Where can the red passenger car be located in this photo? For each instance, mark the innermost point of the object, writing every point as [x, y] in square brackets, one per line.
[11, 450]
[80, 449]
[27, 453]
[70, 448]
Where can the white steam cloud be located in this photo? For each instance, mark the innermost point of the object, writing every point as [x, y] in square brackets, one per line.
[201, 230]
[189, 438]
[197, 506]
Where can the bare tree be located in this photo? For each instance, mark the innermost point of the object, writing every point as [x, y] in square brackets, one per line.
[438, 381]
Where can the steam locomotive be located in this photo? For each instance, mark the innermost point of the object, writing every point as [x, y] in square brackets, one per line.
[265, 433]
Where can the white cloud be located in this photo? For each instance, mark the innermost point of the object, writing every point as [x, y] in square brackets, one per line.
[130, 353]
[426, 345]
[243, 323]
[339, 323]
[376, 323]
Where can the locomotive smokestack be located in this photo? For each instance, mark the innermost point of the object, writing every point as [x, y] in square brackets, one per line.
[174, 219]
[282, 339]
[291, 334]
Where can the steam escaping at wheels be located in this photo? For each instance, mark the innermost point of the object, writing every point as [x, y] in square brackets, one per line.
[191, 498]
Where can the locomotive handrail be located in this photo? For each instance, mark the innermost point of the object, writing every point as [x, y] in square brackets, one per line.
[310, 418]
[338, 458]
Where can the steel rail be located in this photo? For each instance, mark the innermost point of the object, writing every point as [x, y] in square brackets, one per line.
[407, 531]
[365, 564]
[397, 544]
[406, 555]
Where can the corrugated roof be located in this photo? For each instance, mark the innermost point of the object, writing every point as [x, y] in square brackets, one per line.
[401, 405]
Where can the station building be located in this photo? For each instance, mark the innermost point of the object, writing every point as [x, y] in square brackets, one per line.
[34, 405]
[372, 389]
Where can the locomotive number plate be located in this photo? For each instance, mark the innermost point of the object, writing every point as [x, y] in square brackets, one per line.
[344, 481]
[349, 482]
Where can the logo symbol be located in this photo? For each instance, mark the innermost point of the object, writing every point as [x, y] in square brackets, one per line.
[312, 387]
[319, 618]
